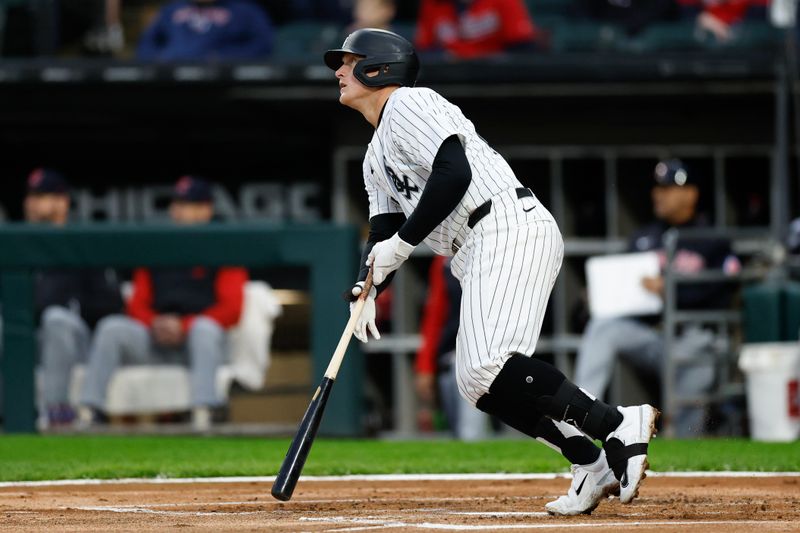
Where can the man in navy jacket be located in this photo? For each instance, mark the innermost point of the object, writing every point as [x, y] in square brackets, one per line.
[208, 29]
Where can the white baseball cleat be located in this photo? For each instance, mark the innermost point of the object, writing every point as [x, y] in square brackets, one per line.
[626, 448]
[590, 485]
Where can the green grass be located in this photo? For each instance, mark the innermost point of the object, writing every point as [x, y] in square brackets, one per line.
[66, 457]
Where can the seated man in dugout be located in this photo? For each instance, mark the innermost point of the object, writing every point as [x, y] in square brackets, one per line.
[637, 340]
[68, 302]
[178, 314]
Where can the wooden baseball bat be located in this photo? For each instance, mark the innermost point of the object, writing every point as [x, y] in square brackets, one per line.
[298, 452]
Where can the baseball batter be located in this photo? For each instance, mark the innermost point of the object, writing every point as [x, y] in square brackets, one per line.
[430, 177]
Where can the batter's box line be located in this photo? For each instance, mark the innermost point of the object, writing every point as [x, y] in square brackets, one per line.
[375, 524]
[145, 510]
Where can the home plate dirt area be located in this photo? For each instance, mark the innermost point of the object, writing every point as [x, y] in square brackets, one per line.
[702, 504]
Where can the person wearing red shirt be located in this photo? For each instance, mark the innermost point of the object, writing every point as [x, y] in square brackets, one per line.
[173, 314]
[719, 17]
[475, 28]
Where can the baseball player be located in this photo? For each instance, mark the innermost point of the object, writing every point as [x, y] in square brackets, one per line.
[430, 177]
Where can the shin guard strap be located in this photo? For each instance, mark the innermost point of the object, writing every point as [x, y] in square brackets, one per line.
[572, 404]
[601, 420]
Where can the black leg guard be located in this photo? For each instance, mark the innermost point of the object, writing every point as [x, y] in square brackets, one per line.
[517, 416]
[531, 383]
[577, 450]
[594, 417]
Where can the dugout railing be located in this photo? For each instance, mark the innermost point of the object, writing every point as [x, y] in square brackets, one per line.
[327, 252]
[727, 391]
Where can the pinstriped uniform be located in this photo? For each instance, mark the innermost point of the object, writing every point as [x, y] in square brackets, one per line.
[507, 263]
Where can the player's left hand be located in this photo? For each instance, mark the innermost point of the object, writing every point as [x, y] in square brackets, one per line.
[387, 256]
[367, 319]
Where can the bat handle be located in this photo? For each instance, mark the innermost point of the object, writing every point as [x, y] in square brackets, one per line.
[341, 348]
[367, 284]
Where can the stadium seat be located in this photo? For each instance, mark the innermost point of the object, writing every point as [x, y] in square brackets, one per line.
[305, 41]
[583, 37]
[539, 8]
[549, 22]
[405, 28]
[677, 36]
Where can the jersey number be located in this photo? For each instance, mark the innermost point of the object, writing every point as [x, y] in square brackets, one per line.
[403, 186]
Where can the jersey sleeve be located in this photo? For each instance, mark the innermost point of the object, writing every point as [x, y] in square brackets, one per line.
[420, 122]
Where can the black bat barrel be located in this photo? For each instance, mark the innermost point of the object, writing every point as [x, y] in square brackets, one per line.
[296, 457]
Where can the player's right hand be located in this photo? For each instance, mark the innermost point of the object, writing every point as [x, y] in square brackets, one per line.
[367, 318]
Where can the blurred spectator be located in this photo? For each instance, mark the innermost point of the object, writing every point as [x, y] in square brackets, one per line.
[632, 15]
[475, 28]
[635, 339]
[107, 36]
[50, 27]
[68, 302]
[373, 14]
[434, 362]
[174, 314]
[208, 29]
[719, 20]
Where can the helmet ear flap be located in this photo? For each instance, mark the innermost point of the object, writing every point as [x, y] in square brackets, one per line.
[391, 69]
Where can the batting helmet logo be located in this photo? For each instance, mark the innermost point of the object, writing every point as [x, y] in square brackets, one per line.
[390, 58]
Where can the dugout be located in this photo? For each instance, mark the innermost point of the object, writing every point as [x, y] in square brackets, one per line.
[126, 246]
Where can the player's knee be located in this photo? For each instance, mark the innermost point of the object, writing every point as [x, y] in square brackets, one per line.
[529, 381]
[112, 324]
[56, 317]
[470, 387]
[205, 329]
[601, 327]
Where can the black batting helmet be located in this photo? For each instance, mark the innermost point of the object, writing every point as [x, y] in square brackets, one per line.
[391, 55]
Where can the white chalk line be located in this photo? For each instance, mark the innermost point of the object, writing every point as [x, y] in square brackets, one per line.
[145, 510]
[376, 524]
[185, 504]
[492, 514]
[368, 528]
[377, 478]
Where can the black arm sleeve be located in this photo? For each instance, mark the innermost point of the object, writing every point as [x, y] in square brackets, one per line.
[447, 184]
[381, 227]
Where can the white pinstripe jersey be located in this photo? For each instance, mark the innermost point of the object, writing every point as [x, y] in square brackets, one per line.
[400, 157]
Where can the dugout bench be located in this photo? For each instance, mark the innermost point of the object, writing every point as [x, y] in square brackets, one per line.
[329, 251]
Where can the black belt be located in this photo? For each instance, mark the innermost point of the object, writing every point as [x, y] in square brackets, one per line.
[486, 207]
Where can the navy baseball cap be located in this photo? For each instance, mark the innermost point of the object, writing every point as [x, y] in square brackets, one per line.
[47, 181]
[671, 172]
[192, 189]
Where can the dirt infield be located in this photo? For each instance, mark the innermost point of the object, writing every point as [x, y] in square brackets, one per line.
[706, 504]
